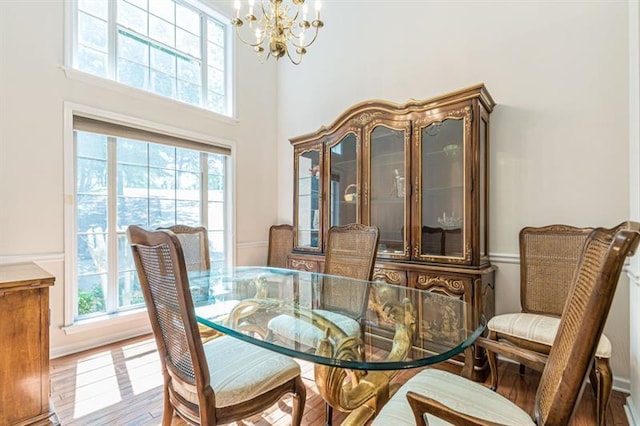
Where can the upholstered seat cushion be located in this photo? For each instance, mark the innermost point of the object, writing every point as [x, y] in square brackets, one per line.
[537, 328]
[456, 392]
[303, 332]
[241, 371]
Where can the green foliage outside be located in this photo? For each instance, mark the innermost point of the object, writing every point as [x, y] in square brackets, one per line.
[90, 302]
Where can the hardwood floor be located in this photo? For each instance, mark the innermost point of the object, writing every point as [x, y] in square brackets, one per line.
[121, 384]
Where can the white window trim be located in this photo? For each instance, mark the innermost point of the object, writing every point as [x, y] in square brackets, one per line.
[71, 109]
[81, 76]
[231, 86]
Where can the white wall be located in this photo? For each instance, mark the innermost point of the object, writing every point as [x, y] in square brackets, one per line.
[558, 72]
[633, 403]
[32, 91]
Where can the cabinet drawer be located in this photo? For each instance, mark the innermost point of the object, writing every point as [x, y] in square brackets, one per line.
[303, 264]
[442, 317]
[377, 299]
[452, 285]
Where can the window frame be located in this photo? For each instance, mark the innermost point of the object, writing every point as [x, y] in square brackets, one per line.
[70, 230]
[70, 52]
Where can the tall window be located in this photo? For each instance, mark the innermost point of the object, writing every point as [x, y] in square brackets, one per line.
[121, 181]
[173, 48]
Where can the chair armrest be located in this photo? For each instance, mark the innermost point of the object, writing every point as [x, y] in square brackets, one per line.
[421, 404]
[527, 357]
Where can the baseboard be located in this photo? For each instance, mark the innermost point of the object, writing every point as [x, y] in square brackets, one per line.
[633, 416]
[60, 351]
[621, 385]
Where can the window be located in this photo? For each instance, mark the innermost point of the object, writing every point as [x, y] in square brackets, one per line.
[173, 48]
[125, 176]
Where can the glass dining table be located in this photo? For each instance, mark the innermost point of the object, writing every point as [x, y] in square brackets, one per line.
[358, 334]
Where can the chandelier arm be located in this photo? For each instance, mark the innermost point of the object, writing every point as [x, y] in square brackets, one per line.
[264, 11]
[295, 17]
[248, 43]
[292, 60]
[304, 46]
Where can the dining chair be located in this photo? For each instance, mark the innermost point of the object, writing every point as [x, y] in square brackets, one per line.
[549, 256]
[437, 397]
[223, 380]
[280, 245]
[350, 252]
[195, 246]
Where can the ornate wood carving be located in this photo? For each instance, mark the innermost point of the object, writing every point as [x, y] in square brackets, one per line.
[364, 118]
[303, 265]
[449, 286]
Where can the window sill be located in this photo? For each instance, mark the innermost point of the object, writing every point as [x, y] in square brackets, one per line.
[132, 319]
[74, 74]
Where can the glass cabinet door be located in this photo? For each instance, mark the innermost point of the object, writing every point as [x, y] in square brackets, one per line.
[309, 194]
[441, 204]
[388, 179]
[343, 181]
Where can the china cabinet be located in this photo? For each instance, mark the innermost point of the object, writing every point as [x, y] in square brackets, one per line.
[419, 171]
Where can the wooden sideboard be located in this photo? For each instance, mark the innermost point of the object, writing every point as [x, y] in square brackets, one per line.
[24, 333]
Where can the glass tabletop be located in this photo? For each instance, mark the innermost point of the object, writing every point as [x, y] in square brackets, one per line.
[332, 320]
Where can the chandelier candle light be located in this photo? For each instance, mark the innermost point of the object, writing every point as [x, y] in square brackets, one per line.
[282, 26]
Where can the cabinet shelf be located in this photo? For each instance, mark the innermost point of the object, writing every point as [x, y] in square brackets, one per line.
[443, 188]
[387, 200]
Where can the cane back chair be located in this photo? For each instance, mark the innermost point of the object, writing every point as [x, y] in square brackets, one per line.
[195, 247]
[549, 256]
[350, 252]
[436, 397]
[280, 245]
[221, 381]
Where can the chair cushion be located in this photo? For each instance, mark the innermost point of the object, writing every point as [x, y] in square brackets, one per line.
[537, 328]
[303, 332]
[456, 392]
[240, 371]
[218, 311]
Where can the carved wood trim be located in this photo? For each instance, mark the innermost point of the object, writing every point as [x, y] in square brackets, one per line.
[303, 265]
[450, 286]
[392, 277]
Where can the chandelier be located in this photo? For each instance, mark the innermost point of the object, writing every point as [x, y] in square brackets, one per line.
[280, 28]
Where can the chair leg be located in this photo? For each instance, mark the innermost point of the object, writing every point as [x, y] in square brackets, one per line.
[493, 363]
[167, 409]
[299, 400]
[328, 414]
[601, 378]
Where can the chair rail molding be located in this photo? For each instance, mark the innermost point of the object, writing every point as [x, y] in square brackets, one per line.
[504, 258]
[32, 257]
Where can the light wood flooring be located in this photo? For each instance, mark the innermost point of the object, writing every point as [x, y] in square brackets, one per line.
[121, 384]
